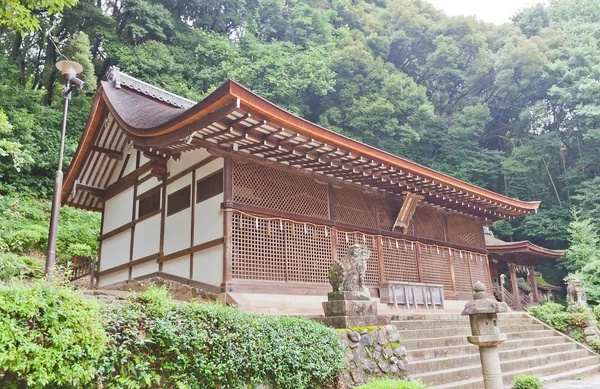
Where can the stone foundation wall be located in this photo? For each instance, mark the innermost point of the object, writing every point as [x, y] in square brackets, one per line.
[372, 352]
[177, 290]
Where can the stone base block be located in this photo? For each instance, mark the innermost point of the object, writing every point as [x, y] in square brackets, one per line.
[333, 296]
[350, 308]
[353, 321]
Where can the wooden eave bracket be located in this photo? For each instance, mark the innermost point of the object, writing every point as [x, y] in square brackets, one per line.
[406, 212]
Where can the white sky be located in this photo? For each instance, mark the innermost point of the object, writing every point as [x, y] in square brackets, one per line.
[495, 11]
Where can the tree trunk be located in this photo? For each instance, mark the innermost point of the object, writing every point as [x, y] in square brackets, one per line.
[50, 71]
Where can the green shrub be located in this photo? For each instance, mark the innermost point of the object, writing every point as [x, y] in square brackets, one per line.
[50, 336]
[556, 315]
[386, 383]
[524, 381]
[156, 343]
[13, 266]
[24, 228]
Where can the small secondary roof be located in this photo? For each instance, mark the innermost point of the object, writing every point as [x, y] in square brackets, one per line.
[523, 251]
[232, 119]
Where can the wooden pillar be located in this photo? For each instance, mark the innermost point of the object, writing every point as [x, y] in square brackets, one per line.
[418, 258]
[380, 263]
[451, 271]
[331, 209]
[227, 220]
[515, 286]
[192, 217]
[536, 296]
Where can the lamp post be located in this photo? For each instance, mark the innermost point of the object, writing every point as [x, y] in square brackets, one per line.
[69, 72]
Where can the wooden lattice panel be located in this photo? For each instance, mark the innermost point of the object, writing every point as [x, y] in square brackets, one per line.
[399, 260]
[436, 269]
[387, 211]
[465, 231]
[270, 188]
[308, 252]
[347, 239]
[479, 270]
[258, 254]
[429, 223]
[462, 276]
[353, 206]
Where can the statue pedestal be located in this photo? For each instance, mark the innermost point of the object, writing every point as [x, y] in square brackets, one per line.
[350, 305]
[352, 313]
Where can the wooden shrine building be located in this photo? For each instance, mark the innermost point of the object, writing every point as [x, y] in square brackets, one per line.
[520, 258]
[234, 194]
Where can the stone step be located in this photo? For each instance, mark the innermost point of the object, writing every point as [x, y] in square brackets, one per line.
[553, 368]
[477, 383]
[569, 350]
[572, 375]
[466, 330]
[538, 366]
[437, 352]
[440, 315]
[432, 324]
[415, 344]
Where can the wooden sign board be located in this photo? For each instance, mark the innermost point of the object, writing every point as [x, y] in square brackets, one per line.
[406, 212]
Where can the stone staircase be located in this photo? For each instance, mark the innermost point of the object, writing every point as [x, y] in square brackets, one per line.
[439, 354]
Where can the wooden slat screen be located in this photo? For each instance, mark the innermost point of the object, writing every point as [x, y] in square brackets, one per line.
[149, 203]
[209, 186]
[436, 269]
[354, 206]
[399, 260]
[276, 189]
[465, 231]
[178, 201]
[429, 223]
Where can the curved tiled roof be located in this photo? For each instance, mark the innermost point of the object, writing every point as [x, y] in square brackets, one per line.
[235, 120]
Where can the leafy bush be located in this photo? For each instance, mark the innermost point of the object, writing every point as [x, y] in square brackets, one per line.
[524, 381]
[156, 343]
[557, 316]
[386, 383]
[24, 228]
[50, 336]
[13, 266]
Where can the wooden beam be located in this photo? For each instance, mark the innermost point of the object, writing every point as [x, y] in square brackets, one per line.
[114, 154]
[96, 192]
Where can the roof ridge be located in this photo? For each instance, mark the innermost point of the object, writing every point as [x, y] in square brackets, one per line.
[119, 79]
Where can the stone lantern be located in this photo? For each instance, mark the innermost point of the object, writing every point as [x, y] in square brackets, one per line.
[483, 314]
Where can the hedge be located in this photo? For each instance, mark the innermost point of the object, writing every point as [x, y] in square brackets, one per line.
[51, 336]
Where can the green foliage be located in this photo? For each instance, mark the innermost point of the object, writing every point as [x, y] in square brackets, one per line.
[524, 381]
[13, 266]
[557, 316]
[24, 228]
[156, 343]
[387, 383]
[22, 15]
[50, 336]
[584, 244]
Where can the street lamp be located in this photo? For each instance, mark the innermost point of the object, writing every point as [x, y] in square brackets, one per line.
[69, 72]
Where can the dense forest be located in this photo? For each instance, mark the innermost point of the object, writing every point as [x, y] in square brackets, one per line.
[514, 108]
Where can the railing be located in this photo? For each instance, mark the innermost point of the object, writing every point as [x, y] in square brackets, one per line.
[87, 268]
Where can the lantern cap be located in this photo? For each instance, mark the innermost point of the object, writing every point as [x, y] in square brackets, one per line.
[69, 67]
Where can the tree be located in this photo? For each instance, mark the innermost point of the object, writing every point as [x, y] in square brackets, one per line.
[22, 15]
[584, 244]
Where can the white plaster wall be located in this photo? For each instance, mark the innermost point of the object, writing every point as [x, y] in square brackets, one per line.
[144, 268]
[178, 227]
[131, 163]
[208, 266]
[117, 210]
[208, 217]
[146, 240]
[147, 185]
[180, 183]
[188, 158]
[115, 250]
[208, 220]
[113, 278]
[178, 267]
[143, 159]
